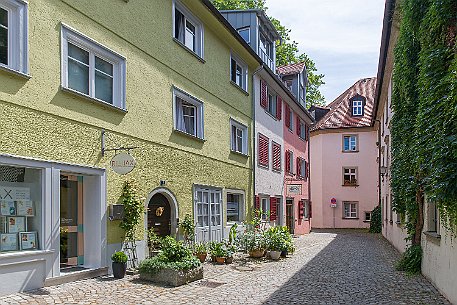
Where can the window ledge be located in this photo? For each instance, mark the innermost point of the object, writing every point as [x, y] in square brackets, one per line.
[189, 50]
[276, 170]
[351, 218]
[367, 221]
[239, 88]
[189, 135]
[263, 166]
[433, 235]
[239, 153]
[267, 112]
[350, 151]
[92, 99]
[15, 72]
[350, 185]
[18, 254]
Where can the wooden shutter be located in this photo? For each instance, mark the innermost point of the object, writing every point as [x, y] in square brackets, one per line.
[301, 209]
[299, 167]
[298, 125]
[257, 203]
[263, 94]
[287, 115]
[288, 169]
[263, 153]
[278, 107]
[306, 132]
[276, 148]
[273, 208]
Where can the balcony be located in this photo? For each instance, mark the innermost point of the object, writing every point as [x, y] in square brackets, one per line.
[267, 60]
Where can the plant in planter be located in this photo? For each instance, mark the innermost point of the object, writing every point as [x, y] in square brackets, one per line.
[230, 250]
[254, 242]
[154, 243]
[288, 241]
[201, 251]
[211, 246]
[219, 252]
[119, 265]
[276, 242]
[175, 265]
[188, 229]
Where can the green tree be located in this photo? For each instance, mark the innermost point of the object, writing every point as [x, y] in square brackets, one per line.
[286, 50]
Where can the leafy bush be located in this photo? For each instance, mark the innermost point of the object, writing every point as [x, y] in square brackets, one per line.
[174, 255]
[253, 240]
[188, 228]
[376, 221]
[119, 257]
[201, 248]
[154, 241]
[410, 262]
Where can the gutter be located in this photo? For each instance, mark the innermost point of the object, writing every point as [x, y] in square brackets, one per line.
[385, 38]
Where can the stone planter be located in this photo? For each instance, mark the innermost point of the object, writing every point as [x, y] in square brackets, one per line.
[257, 253]
[220, 260]
[119, 270]
[275, 255]
[173, 277]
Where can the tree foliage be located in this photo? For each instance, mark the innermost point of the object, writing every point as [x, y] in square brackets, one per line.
[286, 50]
[424, 125]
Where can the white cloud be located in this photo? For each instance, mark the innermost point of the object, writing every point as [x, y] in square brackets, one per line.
[341, 36]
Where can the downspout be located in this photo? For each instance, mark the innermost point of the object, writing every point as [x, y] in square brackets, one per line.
[259, 68]
[379, 166]
[309, 178]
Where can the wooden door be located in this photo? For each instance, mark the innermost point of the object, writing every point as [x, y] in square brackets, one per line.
[208, 215]
[290, 215]
[159, 215]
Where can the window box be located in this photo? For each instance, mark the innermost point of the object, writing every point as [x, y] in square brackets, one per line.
[239, 137]
[187, 114]
[91, 69]
[14, 36]
[187, 29]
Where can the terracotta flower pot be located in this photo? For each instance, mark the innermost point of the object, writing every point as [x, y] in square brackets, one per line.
[201, 257]
[229, 260]
[220, 260]
[213, 258]
[275, 255]
[257, 253]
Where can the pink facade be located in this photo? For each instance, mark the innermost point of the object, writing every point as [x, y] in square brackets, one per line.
[297, 204]
[344, 160]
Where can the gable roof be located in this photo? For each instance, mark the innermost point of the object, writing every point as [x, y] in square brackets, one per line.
[340, 115]
[291, 69]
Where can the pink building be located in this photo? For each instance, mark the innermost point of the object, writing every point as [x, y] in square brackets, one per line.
[344, 159]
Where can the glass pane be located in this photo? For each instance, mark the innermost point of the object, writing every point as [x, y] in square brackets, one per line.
[206, 221]
[189, 125]
[103, 87]
[199, 196]
[200, 221]
[179, 26]
[78, 76]
[190, 36]
[245, 34]
[205, 197]
[103, 66]
[3, 36]
[239, 74]
[78, 54]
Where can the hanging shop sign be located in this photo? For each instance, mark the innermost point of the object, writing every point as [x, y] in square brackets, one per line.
[122, 163]
[294, 189]
[333, 202]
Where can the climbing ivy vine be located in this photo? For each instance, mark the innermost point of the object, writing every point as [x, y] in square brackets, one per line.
[424, 125]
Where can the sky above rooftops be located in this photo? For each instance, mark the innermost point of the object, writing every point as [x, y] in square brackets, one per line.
[341, 36]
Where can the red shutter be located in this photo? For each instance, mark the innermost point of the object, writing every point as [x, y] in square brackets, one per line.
[257, 205]
[263, 154]
[279, 107]
[287, 115]
[263, 94]
[276, 156]
[301, 211]
[272, 208]
[298, 125]
[299, 167]
[288, 169]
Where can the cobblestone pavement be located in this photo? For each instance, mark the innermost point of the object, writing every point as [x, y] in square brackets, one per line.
[342, 267]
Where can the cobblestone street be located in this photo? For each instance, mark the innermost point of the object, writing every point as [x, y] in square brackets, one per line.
[328, 268]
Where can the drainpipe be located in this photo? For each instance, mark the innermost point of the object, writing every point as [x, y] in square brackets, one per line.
[379, 163]
[259, 68]
[309, 177]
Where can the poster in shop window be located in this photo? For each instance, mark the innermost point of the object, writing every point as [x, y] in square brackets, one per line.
[7, 208]
[28, 240]
[8, 242]
[24, 208]
[15, 224]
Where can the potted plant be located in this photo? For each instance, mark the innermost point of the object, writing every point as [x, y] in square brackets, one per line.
[219, 252]
[201, 251]
[254, 242]
[119, 265]
[276, 242]
[230, 250]
[211, 247]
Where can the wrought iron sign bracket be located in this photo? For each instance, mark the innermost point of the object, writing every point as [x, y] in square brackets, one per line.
[121, 148]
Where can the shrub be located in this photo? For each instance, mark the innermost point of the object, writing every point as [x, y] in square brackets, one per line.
[410, 262]
[173, 250]
[119, 257]
[201, 248]
[376, 221]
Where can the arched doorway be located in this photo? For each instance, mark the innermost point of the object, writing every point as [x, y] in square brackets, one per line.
[159, 215]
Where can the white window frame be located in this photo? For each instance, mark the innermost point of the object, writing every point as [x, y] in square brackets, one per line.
[244, 72]
[199, 31]
[241, 208]
[291, 119]
[354, 139]
[357, 107]
[272, 105]
[367, 219]
[351, 174]
[18, 52]
[199, 122]
[70, 35]
[353, 213]
[302, 134]
[248, 29]
[302, 174]
[265, 212]
[234, 146]
[291, 162]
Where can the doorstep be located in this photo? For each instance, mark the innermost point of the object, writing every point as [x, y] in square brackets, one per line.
[76, 276]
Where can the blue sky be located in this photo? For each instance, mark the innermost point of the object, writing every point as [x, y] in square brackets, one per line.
[341, 36]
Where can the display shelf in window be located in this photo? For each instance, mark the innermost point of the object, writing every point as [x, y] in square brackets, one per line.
[28, 240]
[7, 208]
[25, 208]
[8, 242]
[16, 224]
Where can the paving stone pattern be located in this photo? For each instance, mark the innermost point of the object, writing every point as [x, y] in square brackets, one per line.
[341, 267]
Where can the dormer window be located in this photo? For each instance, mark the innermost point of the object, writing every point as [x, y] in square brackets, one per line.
[357, 104]
[245, 33]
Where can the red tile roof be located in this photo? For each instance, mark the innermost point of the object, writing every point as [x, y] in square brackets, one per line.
[340, 115]
[291, 69]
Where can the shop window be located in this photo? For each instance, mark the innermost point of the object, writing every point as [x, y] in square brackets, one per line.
[235, 207]
[13, 35]
[20, 208]
[91, 69]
